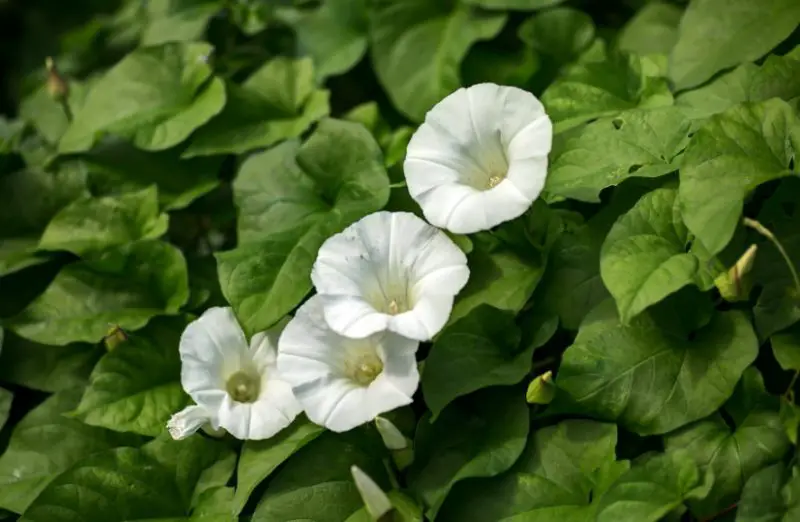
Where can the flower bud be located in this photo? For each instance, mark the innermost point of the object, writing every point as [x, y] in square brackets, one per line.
[377, 503]
[57, 85]
[734, 285]
[393, 439]
[541, 390]
[114, 337]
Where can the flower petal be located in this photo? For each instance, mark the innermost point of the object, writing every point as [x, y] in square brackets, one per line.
[264, 346]
[472, 137]
[211, 348]
[312, 357]
[187, 421]
[425, 320]
[377, 264]
[274, 410]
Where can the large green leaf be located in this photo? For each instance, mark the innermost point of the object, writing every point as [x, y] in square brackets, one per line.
[125, 287]
[177, 20]
[290, 199]
[136, 387]
[734, 453]
[277, 102]
[603, 83]
[328, 494]
[116, 167]
[479, 436]
[335, 35]
[480, 350]
[652, 30]
[156, 97]
[786, 348]
[260, 458]
[46, 368]
[562, 33]
[28, 200]
[771, 495]
[648, 380]
[777, 77]
[636, 143]
[654, 486]
[47, 115]
[93, 224]
[717, 34]
[44, 444]
[522, 5]
[6, 397]
[563, 469]
[160, 482]
[728, 157]
[649, 254]
[418, 45]
[499, 277]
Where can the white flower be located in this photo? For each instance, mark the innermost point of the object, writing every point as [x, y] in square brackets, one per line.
[480, 157]
[236, 387]
[389, 271]
[343, 382]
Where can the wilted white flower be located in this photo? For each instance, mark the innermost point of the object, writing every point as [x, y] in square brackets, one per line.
[343, 382]
[389, 271]
[236, 386]
[480, 157]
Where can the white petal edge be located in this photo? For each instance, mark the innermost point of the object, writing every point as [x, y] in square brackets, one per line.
[188, 421]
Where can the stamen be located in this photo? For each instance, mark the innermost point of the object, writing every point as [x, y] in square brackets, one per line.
[495, 180]
[394, 309]
[364, 369]
[243, 386]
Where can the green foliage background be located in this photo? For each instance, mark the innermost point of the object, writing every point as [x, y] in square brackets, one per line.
[207, 148]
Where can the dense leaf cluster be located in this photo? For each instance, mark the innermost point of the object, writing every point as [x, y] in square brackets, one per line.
[184, 154]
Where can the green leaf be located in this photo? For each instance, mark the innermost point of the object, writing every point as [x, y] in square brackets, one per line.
[717, 34]
[479, 436]
[46, 368]
[499, 277]
[771, 495]
[136, 387]
[47, 115]
[290, 199]
[328, 494]
[125, 287]
[652, 30]
[650, 381]
[46, 443]
[652, 488]
[157, 483]
[563, 471]
[177, 20]
[155, 96]
[777, 77]
[117, 167]
[649, 254]
[603, 83]
[734, 453]
[93, 224]
[277, 102]
[786, 348]
[480, 350]
[636, 143]
[6, 397]
[521, 5]
[28, 200]
[334, 35]
[728, 157]
[417, 47]
[260, 458]
[562, 33]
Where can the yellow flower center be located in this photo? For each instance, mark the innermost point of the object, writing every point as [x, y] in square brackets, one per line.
[243, 386]
[495, 180]
[364, 368]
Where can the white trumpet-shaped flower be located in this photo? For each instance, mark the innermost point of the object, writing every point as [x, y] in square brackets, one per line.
[480, 157]
[236, 386]
[343, 382]
[389, 271]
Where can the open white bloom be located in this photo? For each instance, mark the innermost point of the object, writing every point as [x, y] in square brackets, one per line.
[480, 157]
[343, 382]
[389, 271]
[236, 386]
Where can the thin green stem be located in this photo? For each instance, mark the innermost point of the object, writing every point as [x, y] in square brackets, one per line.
[788, 393]
[764, 231]
[399, 184]
[65, 107]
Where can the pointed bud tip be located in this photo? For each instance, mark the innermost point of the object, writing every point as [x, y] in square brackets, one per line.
[393, 439]
[375, 500]
[541, 390]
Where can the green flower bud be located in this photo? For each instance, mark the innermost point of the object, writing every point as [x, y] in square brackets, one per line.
[541, 390]
[735, 285]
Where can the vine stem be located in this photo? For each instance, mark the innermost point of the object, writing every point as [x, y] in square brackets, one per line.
[764, 231]
[767, 233]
